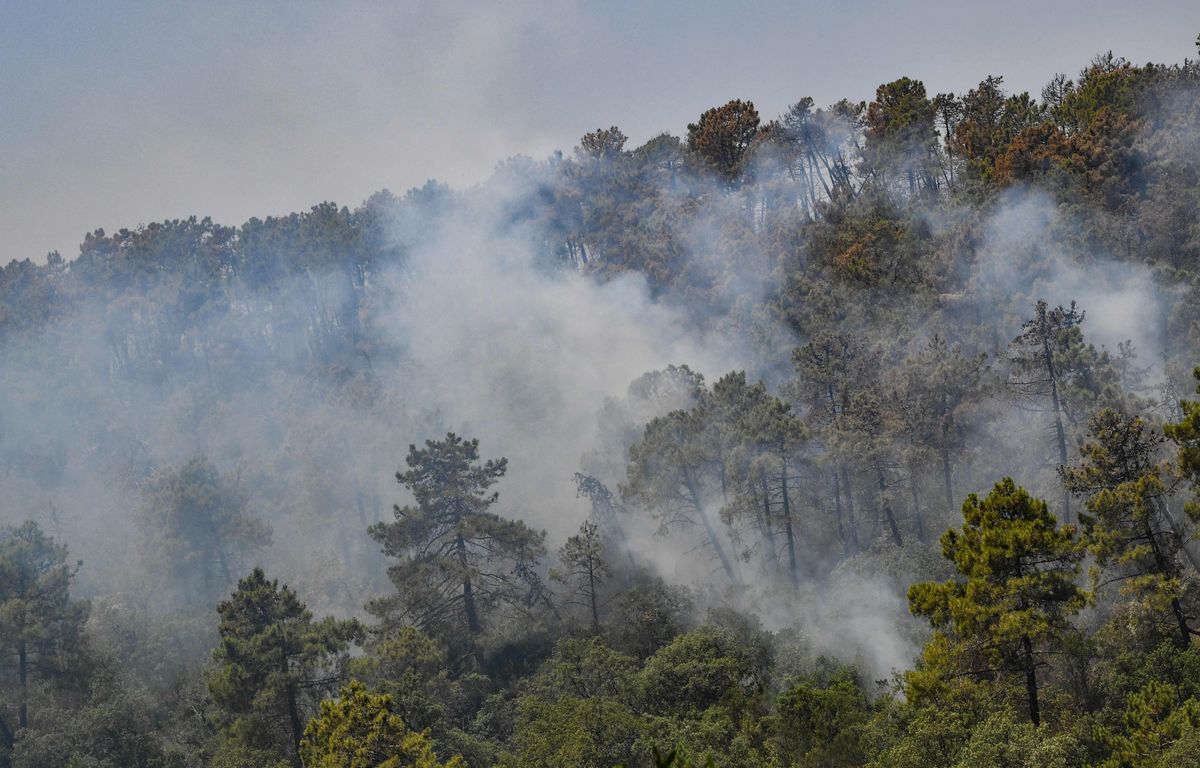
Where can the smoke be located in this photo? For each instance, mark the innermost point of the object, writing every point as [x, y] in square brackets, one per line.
[1033, 249]
[523, 357]
[309, 386]
[471, 330]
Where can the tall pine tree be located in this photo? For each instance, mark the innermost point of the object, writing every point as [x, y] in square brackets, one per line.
[458, 561]
[40, 626]
[273, 664]
[1016, 585]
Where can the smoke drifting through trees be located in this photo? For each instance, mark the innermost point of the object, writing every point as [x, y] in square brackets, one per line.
[302, 355]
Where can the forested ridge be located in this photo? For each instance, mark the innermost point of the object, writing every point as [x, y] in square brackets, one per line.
[864, 435]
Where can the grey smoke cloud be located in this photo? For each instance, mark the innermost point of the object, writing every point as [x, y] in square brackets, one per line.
[523, 358]
[490, 343]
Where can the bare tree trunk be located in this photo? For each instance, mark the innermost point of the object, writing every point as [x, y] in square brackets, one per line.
[468, 590]
[1060, 434]
[764, 524]
[820, 178]
[812, 192]
[887, 507]
[224, 565]
[787, 522]
[713, 537]
[837, 506]
[947, 480]
[592, 596]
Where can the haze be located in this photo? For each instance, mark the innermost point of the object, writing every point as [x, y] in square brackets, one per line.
[114, 114]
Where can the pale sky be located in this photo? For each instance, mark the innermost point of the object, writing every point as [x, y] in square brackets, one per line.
[116, 114]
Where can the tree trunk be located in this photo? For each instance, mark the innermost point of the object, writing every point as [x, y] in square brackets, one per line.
[946, 480]
[1164, 569]
[23, 683]
[1031, 689]
[787, 522]
[7, 739]
[887, 507]
[764, 525]
[362, 510]
[837, 507]
[592, 596]
[812, 191]
[713, 537]
[1060, 434]
[916, 502]
[850, 521]
[821, 178]
[468, 590]
[1183, 540]
[1185, 631]
[293, 720]
[224, 566]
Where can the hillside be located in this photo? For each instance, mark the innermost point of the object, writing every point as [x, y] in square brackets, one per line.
[862, 435]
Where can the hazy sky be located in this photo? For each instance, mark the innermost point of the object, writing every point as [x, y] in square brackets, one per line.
[119, 113]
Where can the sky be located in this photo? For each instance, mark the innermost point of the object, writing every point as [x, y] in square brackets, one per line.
[115, 114]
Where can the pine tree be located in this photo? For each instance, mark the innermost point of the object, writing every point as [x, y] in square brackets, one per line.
[1154, 720]
[675, 471]
[938, 386]
[273, 664]
[722, 137]
[765, 466]
[901, 135]
[1016, 585]
[40, 625]
[458, 560]
[1185, 434]
[606, 512]
[360, 730]
[602, 144]
[1039, 372]
[832, 371]
[1127, 526]
[584, 569]
[871, 428]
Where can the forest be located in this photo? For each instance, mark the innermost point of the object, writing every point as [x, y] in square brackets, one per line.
[865, 434]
